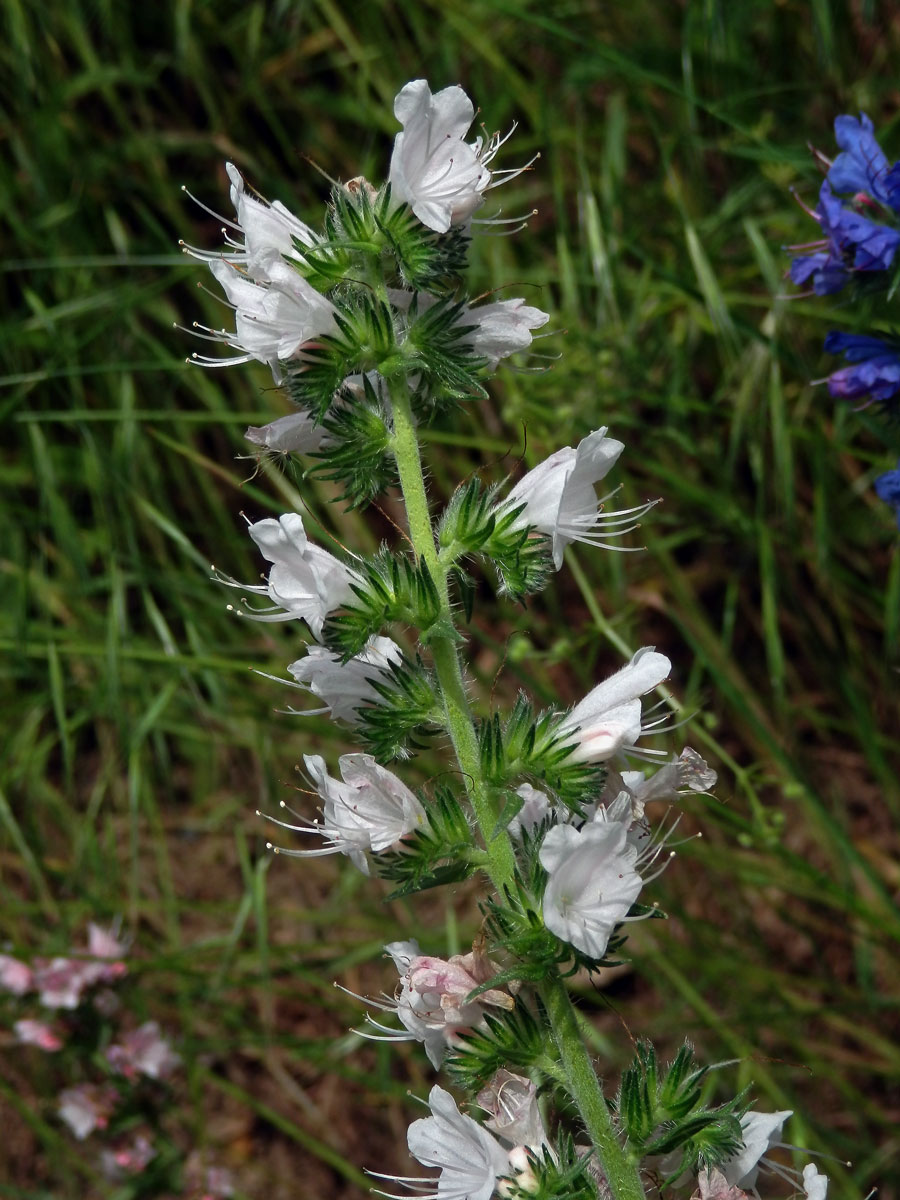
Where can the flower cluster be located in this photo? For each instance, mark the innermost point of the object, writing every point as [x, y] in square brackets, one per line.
[366, 324]
[89, 1032]
[862, 235]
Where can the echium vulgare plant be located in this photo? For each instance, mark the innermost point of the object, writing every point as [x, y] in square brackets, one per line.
[858, 211]
[367, 325]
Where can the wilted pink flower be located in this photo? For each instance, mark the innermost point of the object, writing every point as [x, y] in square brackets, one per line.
[143, 1052]
[87, 1107]
[37, 1033]
[512, 1103]
[129, 1158]
[431, 1002]
[712, 1185]
[16, 977]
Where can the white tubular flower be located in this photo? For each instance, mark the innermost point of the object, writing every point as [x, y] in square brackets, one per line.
[512, 1103]
[470, 1160]
[503, 328]
[441, 177]
[760, 1132]
[686, 773]
[346, 687]
[370, 810]
[608, 719]
[295, 433]
[592, 883]
[274, 317]
[305, 582]
[267, 229]
[560, 501]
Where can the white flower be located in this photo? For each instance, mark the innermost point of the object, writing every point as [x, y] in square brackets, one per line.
[370, 810]
[560, 501]
[608, 719]
[346, 687]
[815, 1184]
[592, 883]
[15, 976]
[87, 1107]
[37, 1033]
[470, 1160]
[143, 1051]
[275, 317]
[267, 229]
[297, 432]
[441, 177]
[536, 806]
[760, 1132]
[305, 582]
[502, 328]
[686, 773]
[515, 1116]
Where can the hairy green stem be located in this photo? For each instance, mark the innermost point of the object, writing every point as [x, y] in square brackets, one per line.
[584, 1086]
[446, 657]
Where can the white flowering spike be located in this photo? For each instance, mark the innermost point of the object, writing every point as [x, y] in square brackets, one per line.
[296, 433]
[815, 1184]
[592, 883]
[370, 810]
[469, 1158]
[760, 1132]
[275, 317]
[502, 328]
[344, 688]
[608, 719]
[560, 501]
[441, 177]
[305, 582]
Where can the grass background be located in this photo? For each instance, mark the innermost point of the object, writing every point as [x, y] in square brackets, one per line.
[137, 742]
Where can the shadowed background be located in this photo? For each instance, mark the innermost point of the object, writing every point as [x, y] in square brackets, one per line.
[138, 742]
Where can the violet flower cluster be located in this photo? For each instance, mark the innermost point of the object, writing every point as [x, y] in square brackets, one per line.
[859, 214]
[563, 813]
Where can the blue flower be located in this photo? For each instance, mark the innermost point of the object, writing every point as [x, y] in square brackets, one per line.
[851, 241]
[888, 488]
[861, 167]
[875, 371]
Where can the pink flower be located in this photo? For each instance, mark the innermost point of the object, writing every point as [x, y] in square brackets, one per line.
[37, 1033]
[128, 1158]
[16, 977]
[432, 1003]
[143, 1052]
[87, 1107]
